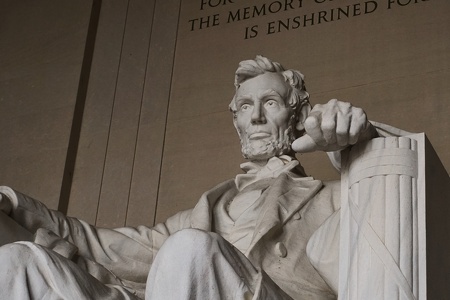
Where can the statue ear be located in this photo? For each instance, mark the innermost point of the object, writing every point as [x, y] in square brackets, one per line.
[303, 114]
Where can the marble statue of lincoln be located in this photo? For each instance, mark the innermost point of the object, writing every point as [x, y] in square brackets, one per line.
[247, 238]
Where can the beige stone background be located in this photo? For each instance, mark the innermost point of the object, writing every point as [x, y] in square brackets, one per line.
[115, 111]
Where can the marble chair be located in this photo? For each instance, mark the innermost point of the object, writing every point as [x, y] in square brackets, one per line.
[395, 221]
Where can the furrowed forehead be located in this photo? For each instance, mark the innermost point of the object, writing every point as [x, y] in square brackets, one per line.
[264, 84]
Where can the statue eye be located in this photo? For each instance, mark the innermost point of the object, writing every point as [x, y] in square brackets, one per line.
[271, 103]
[245, 107]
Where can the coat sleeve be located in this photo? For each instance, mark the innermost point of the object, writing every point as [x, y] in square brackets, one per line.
[127, 252]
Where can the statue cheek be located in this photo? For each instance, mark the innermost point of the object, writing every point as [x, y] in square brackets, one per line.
[240, 123]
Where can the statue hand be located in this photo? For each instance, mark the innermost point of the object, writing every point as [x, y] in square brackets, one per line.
[334, 126]
[5, 204]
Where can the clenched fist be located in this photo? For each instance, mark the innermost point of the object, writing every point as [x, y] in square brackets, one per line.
[334, 126]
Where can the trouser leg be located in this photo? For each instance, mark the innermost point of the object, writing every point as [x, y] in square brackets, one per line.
[194, 264]
[29, 271]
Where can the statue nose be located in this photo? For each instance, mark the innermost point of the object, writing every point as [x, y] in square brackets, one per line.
[258, 116]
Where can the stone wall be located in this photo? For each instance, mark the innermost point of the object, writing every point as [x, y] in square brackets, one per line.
[146, 129]
[42, 46]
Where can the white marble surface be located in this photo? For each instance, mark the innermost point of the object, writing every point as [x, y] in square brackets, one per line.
[268, 214]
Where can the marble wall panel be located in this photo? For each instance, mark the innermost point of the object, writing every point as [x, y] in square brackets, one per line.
[122, 136]
[92, 147]
[118, 162]
[388, 57]
[152, 120]
[41, 45]
[156, 131]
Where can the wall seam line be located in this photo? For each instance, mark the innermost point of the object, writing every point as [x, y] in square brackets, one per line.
[112, 114]
[167, 112]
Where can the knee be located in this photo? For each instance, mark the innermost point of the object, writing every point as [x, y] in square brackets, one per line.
[192, 241]
[17, 254]
[192, 236]
[17, 248]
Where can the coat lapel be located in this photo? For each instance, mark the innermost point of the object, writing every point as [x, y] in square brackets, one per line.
[201, 217]
[286, 196]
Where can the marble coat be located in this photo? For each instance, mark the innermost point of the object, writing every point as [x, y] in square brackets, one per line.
[294, 207]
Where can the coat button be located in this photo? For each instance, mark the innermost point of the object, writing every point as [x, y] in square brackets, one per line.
[297, 216]
[280, 249]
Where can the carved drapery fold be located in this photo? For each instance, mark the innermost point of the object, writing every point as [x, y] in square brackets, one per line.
[379, 232]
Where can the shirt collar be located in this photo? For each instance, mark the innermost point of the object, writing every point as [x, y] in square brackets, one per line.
[272, 169]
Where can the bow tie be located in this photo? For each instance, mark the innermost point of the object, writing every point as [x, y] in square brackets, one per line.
[272, 169]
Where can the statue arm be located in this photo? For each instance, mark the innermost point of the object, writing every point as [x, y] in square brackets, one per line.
[127, 252]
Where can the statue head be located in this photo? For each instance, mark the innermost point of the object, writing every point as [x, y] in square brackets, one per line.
[269, 108]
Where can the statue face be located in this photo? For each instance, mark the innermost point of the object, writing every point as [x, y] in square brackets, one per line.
[263, 119]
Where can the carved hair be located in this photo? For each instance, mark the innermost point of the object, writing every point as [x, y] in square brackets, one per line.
[252, 68]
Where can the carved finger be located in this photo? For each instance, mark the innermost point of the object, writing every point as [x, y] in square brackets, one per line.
[313, 127]
[358, 125]
[329, 129]
[343, 129]
[304, 144]
[346, 109]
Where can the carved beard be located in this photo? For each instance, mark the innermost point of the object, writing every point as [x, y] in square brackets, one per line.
[263, 149]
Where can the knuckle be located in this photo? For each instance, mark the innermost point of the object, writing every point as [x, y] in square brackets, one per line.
[333, 102]
[346, 107]
[359, 112]
[328, 124]
[317, 108]
[311, 122]
[318, 105]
